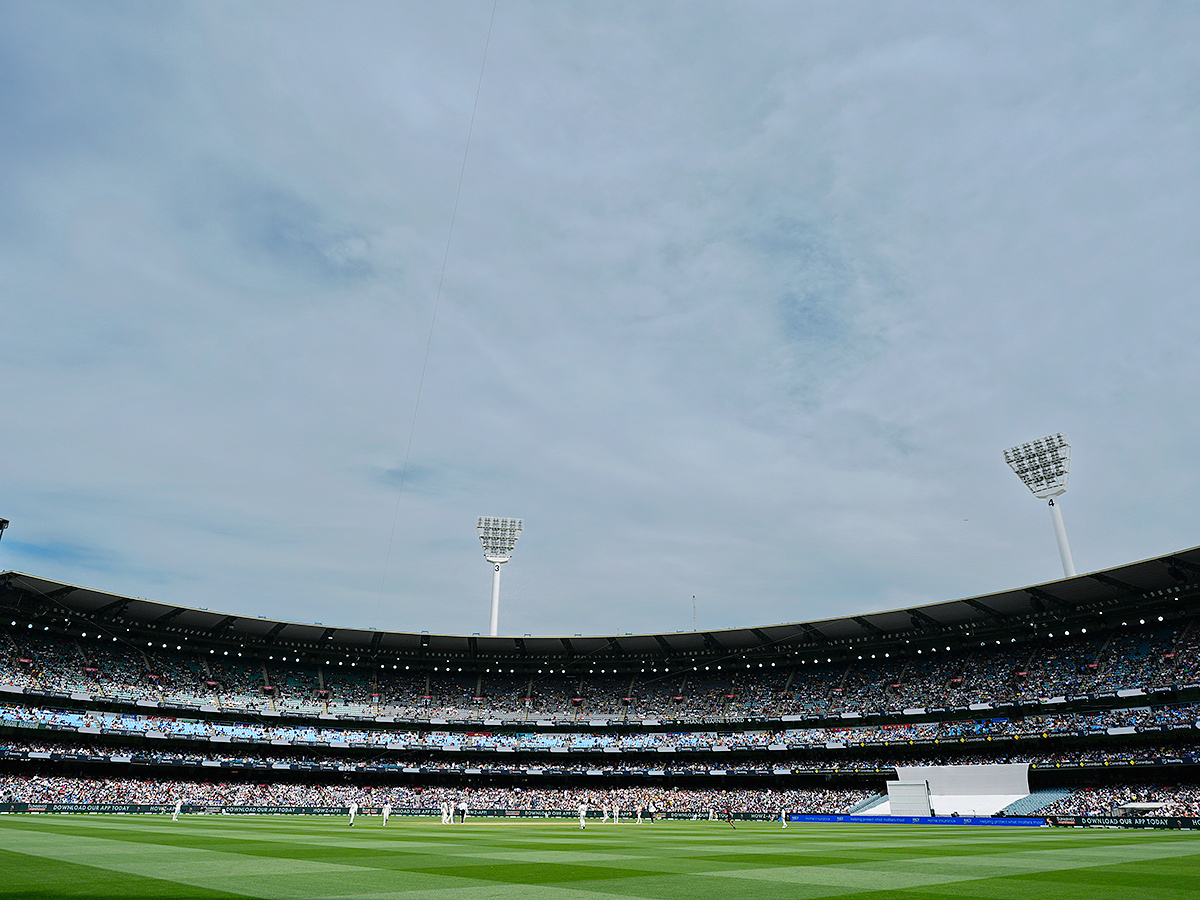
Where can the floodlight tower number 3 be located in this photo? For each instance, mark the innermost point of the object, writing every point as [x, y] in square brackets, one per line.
[1043, 465]
[498, 537]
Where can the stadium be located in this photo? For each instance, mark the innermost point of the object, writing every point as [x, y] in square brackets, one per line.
[1073, 702]
[736, 305]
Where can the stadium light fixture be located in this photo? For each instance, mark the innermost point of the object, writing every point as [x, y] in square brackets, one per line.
[3, 526]
[498, 537]
[1043, 466]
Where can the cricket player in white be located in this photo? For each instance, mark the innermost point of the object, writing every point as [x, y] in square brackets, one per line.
[583, 810]
[178, 807]
[604, 809]
[447, 813]
[353, 810]
[387, 811]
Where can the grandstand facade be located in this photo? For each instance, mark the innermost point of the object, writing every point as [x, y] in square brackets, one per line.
[1094, 681]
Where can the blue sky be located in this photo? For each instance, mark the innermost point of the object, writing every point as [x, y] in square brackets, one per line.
[743, 301]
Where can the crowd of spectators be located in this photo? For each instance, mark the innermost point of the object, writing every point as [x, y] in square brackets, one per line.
[416, 723]
[675, 801]
[1152, 800]
[1126, 800]
[1105, 722]
[676, 765]
[1069, 665]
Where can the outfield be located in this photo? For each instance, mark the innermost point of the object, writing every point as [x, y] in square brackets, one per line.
[286, 856]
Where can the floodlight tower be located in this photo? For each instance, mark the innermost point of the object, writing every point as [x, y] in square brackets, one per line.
[1043, 465]
[498, 537]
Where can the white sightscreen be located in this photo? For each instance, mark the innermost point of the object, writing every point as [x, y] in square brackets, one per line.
[990, 778]
[908, 798]
[968, 790]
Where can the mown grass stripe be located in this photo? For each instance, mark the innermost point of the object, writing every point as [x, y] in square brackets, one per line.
[551, 860]
[30, 878]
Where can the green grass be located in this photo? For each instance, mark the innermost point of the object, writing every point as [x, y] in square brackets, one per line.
[285, 856]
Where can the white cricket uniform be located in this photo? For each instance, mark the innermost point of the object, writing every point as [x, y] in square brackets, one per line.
[583, 809]
[387, 811]
[353, 811]
[604, 809]
[178, 807]
[447, 813]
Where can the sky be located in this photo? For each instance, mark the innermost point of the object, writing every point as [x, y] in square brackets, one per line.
[736, 305]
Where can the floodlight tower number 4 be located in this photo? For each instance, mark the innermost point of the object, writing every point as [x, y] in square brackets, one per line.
[1043, 465]
[498, 537]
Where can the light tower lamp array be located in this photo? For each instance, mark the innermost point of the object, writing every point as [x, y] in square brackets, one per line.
[1043, 465]
[498, 537]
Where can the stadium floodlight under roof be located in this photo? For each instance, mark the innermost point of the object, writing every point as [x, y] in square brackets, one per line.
[498, 537]
[1043, 465]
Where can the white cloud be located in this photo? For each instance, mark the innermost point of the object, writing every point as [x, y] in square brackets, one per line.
[741, 306]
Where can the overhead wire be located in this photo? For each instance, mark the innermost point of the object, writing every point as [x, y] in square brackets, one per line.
[433, 319]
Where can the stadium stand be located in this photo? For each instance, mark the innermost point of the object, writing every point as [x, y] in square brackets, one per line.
[1092, 681]
[1036, 801]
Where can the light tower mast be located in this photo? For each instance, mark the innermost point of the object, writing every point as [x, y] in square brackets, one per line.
[498, 537]
[1043, 465]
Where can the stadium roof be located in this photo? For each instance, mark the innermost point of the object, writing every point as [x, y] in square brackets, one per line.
[1171, 581]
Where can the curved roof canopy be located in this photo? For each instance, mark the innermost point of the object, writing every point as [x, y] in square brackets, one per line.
[1167, 585]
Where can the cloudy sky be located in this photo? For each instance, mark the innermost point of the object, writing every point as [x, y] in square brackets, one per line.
[736, 301]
